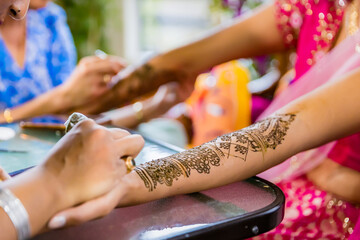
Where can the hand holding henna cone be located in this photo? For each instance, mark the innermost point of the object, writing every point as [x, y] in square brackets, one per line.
[75, 118]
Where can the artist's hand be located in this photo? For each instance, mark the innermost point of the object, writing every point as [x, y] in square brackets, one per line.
[143, 80]
[90, 79]
[3, 174]
[90, 210]
[86, 163]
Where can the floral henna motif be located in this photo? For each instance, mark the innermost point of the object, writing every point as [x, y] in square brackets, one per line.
[268, 133]
[146, 79]
[166, 170]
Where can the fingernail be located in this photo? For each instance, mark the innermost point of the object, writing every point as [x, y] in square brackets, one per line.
[57, 222]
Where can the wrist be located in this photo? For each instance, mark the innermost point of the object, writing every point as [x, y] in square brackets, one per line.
[167, 61]
[62, 99]
[52, 186]
[39, 193]
[150, 109]
[129, 188]
[56, 182]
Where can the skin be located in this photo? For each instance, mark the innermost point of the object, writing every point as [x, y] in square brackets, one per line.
[166, 97]
[17, 9]
[36, 4]
[71, 174]
[318, 117]
[323, 103]
[14, 33]
[184, 64]
[3, 175]
[85, 84]
[76, 170]
[246, 37]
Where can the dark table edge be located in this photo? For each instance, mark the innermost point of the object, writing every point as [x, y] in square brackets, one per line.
[247, 225]
[269, 217]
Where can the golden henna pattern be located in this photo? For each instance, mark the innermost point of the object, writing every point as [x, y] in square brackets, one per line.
[268, 133]
[166, 170]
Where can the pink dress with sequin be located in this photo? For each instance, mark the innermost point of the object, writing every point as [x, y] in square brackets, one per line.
[311, 26]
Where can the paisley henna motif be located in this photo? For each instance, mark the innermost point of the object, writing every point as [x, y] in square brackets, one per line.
[268, 133]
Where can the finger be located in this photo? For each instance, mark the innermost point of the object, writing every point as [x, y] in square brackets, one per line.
[85, 124]
[89, 59]
[105, 67]
[118, 133]
[87, 211]
[103, 120]
[122, 61]
[130, 145]
[4, 175]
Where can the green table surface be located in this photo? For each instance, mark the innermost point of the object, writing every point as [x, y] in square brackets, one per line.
[36, 144]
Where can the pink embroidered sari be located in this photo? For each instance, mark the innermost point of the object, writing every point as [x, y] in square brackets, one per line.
[312, 25]
[332, 218]
[312, 213]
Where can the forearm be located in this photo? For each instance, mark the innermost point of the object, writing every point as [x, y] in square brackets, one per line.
[128, 117]
[252, 35]
[227, 159]
[52, 102]
[36, 191]
[321, 116]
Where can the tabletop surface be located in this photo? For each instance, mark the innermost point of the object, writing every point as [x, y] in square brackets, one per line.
[238, 210]
[30, 146]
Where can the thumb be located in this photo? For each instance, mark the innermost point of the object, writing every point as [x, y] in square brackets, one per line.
[4, 175]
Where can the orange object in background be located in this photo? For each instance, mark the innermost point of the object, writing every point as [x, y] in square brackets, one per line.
[220, 103]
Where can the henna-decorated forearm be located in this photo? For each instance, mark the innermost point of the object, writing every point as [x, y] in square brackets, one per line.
[268, 133]
[143, 80]
[146, 79]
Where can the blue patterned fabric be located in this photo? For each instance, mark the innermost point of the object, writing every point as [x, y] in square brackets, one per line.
[49, 60]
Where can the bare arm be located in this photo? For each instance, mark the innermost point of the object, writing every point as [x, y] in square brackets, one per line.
[325, 114]
[129, 116]
[251, 35]
[78, 169]
[85, 84]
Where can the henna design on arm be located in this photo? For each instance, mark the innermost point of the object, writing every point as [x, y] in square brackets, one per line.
[146, 79]
[268, 133]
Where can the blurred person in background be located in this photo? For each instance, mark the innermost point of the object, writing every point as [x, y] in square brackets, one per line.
[38, 73]
[64, 179]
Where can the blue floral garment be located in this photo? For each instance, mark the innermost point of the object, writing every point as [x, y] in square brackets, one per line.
[49, 59]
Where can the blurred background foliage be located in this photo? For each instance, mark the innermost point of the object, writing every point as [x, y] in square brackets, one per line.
[90, 24]
[99, 24]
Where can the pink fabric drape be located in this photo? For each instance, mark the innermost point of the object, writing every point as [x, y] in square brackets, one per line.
[331, 67]
[341, 60]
